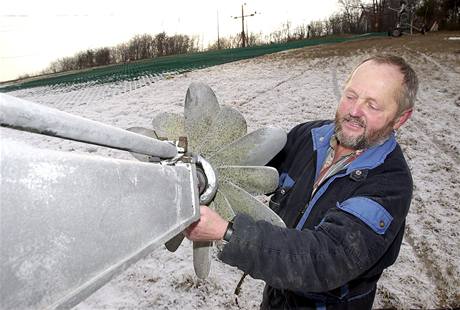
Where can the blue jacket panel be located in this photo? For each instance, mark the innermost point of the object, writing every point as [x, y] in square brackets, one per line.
[339, 241]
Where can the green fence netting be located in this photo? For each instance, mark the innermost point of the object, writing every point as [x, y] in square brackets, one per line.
[168, 64]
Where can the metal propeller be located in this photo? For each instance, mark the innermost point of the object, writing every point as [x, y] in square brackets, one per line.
[218, 135]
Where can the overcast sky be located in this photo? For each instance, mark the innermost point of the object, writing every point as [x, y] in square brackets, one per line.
[34, 33]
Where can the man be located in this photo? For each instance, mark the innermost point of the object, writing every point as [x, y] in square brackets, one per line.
[344, 193]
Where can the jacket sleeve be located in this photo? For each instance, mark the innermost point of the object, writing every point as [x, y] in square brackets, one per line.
[337, 250]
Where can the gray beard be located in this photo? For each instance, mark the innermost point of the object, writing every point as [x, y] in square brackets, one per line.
[366, 139]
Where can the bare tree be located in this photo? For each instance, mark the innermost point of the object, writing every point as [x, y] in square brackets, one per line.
[85, 59]
[160, 44]
[316, 29]
[351, 13]
[300, 32]
[335, 24]
[232, 41]
[445, 12]
[122, 53]
[102, 56]
[286, 30]
[255, 39]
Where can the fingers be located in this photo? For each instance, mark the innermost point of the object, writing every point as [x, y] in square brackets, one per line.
[209, 227]
[189, 230]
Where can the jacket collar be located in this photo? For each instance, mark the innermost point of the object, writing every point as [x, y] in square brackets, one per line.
[369, 159]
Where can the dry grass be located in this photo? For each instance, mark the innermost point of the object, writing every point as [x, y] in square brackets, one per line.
[434, 42]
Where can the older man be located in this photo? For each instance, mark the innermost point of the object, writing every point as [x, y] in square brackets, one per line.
[344, 193]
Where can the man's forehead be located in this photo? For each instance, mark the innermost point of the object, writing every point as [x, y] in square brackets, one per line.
[383, 69]
[376, 74]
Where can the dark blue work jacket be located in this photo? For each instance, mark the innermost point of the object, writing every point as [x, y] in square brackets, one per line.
[337, 242]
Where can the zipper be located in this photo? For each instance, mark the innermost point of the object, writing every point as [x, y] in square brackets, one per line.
[303, 215]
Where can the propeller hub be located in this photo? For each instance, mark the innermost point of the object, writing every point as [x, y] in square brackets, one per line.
[202, 180]
[207, 176]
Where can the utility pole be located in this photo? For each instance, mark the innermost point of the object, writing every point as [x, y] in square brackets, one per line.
[243, 35]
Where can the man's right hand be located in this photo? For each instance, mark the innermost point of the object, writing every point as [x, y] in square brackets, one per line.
[211, 226]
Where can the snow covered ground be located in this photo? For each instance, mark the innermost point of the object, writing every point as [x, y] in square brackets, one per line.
[284, 89]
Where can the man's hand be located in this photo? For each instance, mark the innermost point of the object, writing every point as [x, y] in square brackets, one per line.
[209, 227]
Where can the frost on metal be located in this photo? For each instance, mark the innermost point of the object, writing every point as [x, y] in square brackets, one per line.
[70, 222]
[28, 116]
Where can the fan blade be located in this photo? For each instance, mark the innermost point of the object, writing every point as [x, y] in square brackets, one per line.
[146, 132]
[223, 207]
[254, 149]
[202, 258]
[200, 109]
[242, 202]
[228, 126]
[169, 125]
[256, 180]
[174, 242]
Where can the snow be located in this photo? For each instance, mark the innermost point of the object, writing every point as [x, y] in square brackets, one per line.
[283, 90]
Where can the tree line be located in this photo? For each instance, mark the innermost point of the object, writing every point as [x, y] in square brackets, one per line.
[139, 47]
[445, 12]
[353, 17]
[357, 17]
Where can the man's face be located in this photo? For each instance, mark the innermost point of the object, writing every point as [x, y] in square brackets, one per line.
[367, 112]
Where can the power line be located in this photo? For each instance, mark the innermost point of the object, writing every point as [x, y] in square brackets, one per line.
[243, 36]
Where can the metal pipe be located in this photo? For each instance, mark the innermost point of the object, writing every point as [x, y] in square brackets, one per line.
[28, 116]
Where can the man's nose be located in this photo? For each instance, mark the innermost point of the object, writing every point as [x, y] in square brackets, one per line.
[357, 108]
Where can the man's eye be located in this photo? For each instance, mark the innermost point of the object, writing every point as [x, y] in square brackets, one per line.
[373, 106]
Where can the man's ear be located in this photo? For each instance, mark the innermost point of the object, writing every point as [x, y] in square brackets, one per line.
[401, 119]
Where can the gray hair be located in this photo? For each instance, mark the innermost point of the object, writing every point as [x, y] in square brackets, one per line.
[405, 97]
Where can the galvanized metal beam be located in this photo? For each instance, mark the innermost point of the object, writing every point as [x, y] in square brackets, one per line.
[70, 222]
[28, 116]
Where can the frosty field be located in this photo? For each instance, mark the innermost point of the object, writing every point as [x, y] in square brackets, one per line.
[282, 90]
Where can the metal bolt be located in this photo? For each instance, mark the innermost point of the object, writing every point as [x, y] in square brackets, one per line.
[183, 143]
